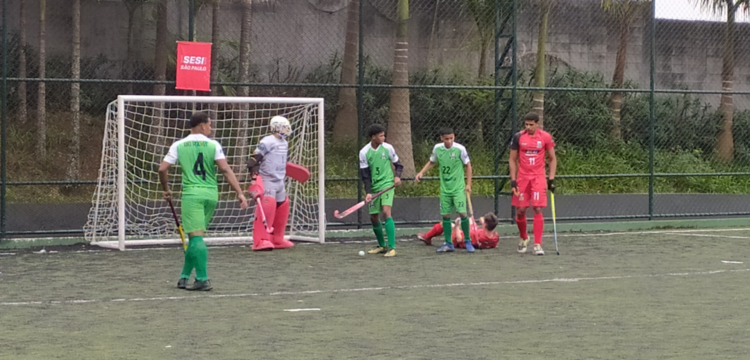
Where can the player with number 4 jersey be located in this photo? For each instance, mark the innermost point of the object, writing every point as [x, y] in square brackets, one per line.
[198, 156]
[375, 161]
[528, 151]
[451, 158]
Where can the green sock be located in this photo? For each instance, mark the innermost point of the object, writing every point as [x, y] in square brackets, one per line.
[378, 230]
[390, 230]
[187, 268]
[465, 228]
[447, 230]
[200, 253]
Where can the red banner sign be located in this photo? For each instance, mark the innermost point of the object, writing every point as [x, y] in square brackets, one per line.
[193, 66]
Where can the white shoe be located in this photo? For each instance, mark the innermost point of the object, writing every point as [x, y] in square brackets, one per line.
[522, 245]
[538, 249]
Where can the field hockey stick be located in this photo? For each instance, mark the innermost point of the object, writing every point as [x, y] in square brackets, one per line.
[554, 220]
[259, 205]
[468, 202]
[179, 226]
[341, 215]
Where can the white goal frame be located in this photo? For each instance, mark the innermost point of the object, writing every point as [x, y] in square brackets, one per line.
[123, 242]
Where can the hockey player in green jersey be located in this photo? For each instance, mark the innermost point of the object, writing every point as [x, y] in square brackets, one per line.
[375, 171]
[451, 158]
[198, 157]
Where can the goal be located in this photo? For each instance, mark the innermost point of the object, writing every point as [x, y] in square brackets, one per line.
[127, 206]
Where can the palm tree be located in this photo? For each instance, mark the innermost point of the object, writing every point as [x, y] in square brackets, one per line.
[399, 124]
[538, 100]
[345, 126]
[725, 144]
[160, 69]
[215, 8]
[75, 98]
[244, 60]
[22, 64]
[41, 109]
[132, 6]
[483, 13]
[625, 13]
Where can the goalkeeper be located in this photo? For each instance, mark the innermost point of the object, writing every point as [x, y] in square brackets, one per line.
[375, 171]
[451, 158]
[484, 238]
[269, 160]
[198, 157]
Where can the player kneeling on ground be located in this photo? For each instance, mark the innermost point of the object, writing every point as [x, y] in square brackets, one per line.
[375, 171]
[269, 160]
[198, 157]
[481, 238]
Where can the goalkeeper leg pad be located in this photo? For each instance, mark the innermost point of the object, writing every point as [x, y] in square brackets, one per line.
[279, 226]
[261, 238]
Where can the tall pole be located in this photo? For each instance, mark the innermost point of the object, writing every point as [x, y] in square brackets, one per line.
[360, 98]
[4, 118]
[191, 20]
[652, 105]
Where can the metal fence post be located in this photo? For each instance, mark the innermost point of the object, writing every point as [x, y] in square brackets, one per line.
[652, 100]
[360, 100]
[191, 20]
[514, 71]
[4, 116]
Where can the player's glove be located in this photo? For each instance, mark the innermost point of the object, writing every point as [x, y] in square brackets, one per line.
[253, 163]
[514, 185]
[551, 185]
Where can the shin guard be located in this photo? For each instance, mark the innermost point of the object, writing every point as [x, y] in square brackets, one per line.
[261, 238]
[279, 226]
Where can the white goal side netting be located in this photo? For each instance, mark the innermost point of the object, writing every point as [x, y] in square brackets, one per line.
[130, 210]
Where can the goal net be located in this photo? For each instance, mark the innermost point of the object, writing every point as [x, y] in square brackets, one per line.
[128, 208]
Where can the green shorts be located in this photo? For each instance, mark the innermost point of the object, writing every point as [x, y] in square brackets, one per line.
[450, 203]
[197, 211]
[386, 199]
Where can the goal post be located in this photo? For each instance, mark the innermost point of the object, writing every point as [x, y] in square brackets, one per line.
[128, 208]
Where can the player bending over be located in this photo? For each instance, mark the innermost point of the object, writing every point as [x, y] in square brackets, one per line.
[198, 157]
[451, 157]
[375, 171]
[269, 160]
[484, 238]
[527, 177]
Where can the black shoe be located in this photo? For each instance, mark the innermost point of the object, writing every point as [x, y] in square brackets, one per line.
[182, 283]
[201, 286]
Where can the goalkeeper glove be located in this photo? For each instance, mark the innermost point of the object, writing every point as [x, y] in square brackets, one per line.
[551, 185]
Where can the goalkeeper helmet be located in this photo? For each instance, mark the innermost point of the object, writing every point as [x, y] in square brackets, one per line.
[280, 124]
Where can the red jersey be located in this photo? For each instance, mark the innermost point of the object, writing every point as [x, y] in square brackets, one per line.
[478, 238]
[532, 151]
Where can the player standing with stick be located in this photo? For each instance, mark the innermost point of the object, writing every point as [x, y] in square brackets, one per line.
[198, 157]
[375, 171]
[270, 161]
[528, 150]
[451, 158]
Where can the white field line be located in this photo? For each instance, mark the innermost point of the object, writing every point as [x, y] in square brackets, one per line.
[381, 288]
[715, 235]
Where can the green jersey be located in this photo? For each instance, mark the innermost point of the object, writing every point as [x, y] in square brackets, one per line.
[379, 161]
[197, 155]
[451, 165]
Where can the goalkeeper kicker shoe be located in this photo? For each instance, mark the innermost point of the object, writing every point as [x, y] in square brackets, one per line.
[447, 247]
[390, 253]
[427, 241]
[522, 245]
[538, 249]
[182, 283]
[201, 286]
[377, 250]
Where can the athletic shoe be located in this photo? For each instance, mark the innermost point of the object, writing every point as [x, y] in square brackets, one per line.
[377, 250]
[390, 253]
[538, 249]
[447, 247]
[182, 283]
[522, 245]
[201, 286]
[427, 241]
[469, 246]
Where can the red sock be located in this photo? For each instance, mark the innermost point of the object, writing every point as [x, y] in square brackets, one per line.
[435, 231]
[521, 222]
[538, 228]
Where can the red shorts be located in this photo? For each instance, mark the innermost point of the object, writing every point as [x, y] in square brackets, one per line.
[532, 191]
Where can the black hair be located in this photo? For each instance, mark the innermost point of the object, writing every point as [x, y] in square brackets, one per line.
[532, 116]
[375, 129]
[198, 118]
[446, 131]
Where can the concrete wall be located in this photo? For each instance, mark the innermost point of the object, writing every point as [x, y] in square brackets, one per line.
[302, 34]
